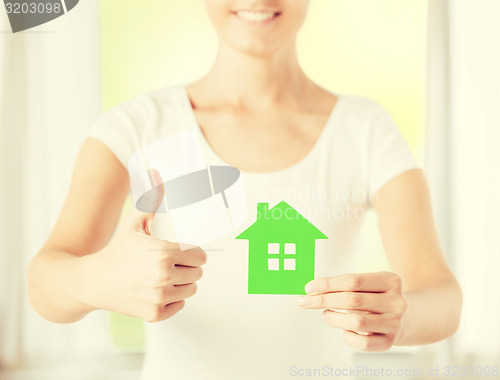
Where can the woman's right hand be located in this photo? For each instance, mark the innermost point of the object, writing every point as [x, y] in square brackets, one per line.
[139, 275]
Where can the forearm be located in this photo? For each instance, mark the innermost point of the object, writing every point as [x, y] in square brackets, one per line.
[55, 286]
[433, 313]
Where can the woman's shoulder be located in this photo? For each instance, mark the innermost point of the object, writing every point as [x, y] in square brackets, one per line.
[143, 119]
[361, 106]
[151, 113]
[151, 102]
[362, 115]
[173, 95]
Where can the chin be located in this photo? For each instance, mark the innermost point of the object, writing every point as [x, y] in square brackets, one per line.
[259, 45]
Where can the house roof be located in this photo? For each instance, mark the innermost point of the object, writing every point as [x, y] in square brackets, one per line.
[282, 221]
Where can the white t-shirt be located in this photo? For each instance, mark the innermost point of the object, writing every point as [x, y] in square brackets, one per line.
[223, 332]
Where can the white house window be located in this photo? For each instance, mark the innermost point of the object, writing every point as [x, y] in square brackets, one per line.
[273, 264]
[273, 248]
[289, 264]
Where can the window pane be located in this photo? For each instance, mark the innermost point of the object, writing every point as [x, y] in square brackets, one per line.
[273, 264]
[290, 249]
[273, 248]
[289, 264]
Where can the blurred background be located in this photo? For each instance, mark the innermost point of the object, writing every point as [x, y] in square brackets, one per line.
[434, 65]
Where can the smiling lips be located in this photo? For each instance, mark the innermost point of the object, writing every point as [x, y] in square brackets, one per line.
[256, 17]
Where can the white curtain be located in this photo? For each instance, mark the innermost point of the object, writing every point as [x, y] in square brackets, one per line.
[50, 95]
[463, 162]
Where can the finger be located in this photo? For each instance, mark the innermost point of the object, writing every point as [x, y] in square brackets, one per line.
[359, 322]
[181, 292]
[144, 211]
[193, 257]
[375, 342]
[372, 302]
[186, 275]
[166, 311]
[354, 282]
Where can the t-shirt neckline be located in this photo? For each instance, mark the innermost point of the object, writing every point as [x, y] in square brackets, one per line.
[328, 128]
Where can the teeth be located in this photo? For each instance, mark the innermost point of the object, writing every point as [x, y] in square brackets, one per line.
[255, 16]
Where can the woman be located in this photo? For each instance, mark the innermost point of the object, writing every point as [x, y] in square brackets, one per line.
[256, 110]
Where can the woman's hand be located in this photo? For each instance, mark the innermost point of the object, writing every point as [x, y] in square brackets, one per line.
[138, 275]
[373, 305]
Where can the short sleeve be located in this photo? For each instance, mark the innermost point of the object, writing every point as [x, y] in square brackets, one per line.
[122, 129]
[389, 153]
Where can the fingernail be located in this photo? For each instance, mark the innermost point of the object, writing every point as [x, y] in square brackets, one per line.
[311, 287]
[303, 300]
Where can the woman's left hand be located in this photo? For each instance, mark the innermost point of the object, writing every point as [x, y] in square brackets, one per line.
[373, 302]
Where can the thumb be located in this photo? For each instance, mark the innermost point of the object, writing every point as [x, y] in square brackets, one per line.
[147, 205]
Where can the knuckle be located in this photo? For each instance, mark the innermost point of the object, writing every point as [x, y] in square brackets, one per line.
[355, 281]
[395, 280]
[199, 273]
[401, 306]
[166, 251]
[168, 255]
[154, 313]
[359, 322]
[159, 295]
[322, 300]
[190, 290]
[203, 257]
[168, 276]
[181, 303]
[198, 255]
[355, 300]
[194, 289]
[168, 259]
[163, 277]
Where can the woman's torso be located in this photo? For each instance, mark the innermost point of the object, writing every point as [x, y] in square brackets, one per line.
[225, 333]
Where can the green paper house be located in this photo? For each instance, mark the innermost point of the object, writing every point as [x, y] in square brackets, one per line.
[281, 247]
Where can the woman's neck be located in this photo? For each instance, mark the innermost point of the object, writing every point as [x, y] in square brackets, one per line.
[251, 81]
